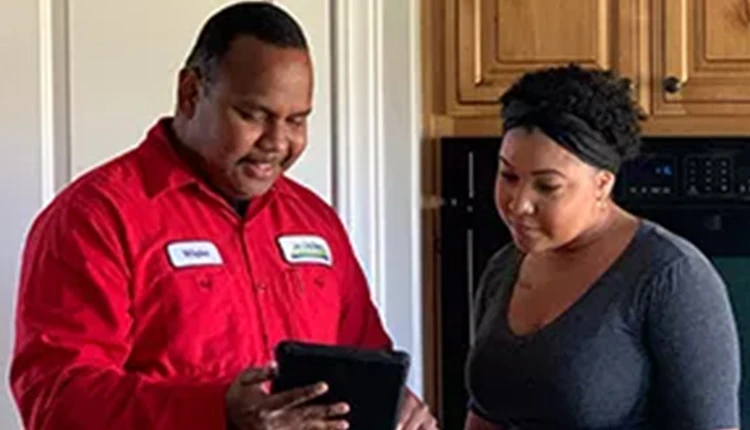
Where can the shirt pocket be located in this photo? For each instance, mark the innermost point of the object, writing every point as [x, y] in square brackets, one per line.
[198, 308]
[314, 302]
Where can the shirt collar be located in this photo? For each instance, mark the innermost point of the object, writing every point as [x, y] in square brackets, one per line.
[164, 170]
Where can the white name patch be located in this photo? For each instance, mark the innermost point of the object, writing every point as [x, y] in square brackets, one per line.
[299, 249]
[193, 253]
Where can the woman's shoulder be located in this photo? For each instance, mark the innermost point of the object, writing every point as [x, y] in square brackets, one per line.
[658, 261]
[660, 248]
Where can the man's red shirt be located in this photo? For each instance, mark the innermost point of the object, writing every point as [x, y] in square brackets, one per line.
[143, 293]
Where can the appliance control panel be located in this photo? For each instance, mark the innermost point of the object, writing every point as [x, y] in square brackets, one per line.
[691, 170]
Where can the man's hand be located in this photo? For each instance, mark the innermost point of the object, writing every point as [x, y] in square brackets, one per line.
[251, 407]
[415, 415]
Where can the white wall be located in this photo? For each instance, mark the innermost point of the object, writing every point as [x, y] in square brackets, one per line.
[20, 158]
[83, 80]
[123, 59]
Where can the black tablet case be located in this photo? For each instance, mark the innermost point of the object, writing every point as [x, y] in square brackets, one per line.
[370, 381]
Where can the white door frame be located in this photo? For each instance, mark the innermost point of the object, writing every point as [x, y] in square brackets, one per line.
[377, 156]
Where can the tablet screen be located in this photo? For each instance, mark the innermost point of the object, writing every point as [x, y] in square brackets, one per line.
[370, 381]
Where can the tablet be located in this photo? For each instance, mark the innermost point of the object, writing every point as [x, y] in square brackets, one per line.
[370, 381]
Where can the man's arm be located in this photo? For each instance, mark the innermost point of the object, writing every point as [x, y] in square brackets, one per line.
[74, 334]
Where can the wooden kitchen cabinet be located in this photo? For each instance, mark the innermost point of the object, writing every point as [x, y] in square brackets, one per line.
[481, 46]
[701, 67]
[689, 60]
[498, 39]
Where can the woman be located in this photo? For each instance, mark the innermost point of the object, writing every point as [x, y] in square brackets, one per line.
[592, 318]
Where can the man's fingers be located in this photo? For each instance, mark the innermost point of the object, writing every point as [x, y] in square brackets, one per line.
[258, 375]
[415, 415]
[419, 419]
[407, 409]
[325, 425]
[310, 413]
[294, 397]
[317, 417]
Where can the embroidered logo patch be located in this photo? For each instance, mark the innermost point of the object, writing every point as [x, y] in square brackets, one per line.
[305, 249]
[193, 253]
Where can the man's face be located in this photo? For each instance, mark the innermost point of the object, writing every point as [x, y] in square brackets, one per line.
[248, 122]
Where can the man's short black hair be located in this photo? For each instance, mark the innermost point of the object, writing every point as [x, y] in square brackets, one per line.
[261, 20]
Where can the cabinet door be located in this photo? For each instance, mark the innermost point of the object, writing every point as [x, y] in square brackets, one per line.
[490, 43]
[701, 70]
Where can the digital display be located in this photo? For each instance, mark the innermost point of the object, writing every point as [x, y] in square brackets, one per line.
[650, 177]
[653, 169]
[664, 170]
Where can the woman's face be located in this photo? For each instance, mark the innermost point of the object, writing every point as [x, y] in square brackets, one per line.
[546, 195]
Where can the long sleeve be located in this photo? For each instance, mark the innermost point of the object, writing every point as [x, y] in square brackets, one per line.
[691, 333]
[74, 334]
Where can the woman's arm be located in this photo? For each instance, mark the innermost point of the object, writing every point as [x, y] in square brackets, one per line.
[691, 334]
[475, 422]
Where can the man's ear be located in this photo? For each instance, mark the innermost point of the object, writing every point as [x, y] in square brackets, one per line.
[188, 92]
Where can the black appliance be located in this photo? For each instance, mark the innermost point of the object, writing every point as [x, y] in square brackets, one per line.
[698, 188]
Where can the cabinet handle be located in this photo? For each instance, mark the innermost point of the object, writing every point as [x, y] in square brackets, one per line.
[672, 84]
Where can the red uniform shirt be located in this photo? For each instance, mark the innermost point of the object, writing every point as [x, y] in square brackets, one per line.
[143, 294]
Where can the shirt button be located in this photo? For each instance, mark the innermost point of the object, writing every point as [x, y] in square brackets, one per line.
[205, 282]
[260, 286]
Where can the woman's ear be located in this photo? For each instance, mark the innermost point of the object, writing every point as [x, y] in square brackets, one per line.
[605, 182]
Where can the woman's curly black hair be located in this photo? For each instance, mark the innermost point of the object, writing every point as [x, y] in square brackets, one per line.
[601, 98]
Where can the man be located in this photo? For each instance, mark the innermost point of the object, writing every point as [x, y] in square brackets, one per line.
[155, 288]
